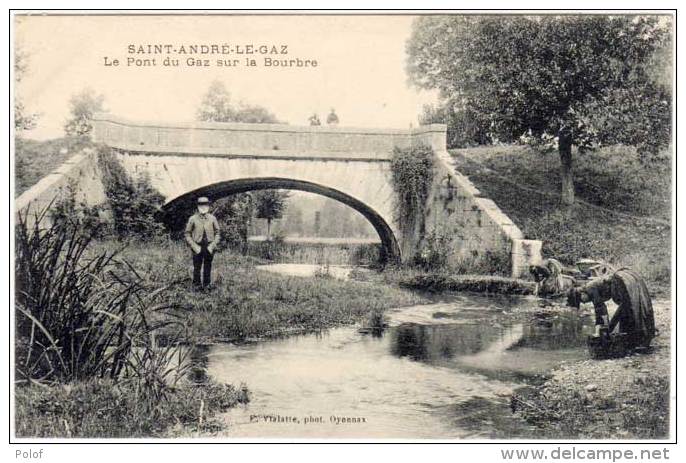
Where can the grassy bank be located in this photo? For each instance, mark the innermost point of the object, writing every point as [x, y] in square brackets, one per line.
[626, 398]
[105, 409]
[439, 281]
[622, 212]
[245, 303]
[297, 252]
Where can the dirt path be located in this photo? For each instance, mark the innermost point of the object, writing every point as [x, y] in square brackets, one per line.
[626, 398]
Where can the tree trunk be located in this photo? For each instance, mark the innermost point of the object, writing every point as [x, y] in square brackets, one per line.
[269, 229]
[566, 177]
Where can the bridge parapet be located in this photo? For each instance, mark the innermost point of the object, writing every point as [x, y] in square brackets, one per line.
[262, 140]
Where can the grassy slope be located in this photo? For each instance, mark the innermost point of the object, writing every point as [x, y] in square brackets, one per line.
[36, 159]
[525, 184]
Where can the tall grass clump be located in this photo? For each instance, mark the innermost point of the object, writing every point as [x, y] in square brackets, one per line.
[79, 315]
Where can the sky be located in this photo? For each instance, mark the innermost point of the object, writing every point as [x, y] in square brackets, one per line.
[360, 67]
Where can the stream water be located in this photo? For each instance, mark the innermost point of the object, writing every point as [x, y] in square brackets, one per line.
[442, 370]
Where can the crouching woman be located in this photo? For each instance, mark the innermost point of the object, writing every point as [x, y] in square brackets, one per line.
[550, 279]
[634, 317]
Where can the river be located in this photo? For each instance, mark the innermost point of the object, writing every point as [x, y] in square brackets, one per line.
[441, 370]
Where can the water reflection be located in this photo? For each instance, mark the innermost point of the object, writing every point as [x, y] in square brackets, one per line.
[197, 371]
[438, 343]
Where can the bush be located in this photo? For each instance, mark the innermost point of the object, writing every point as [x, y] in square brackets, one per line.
[135, 204]
[366, 254]
[65, 209]
[434, 252]
[234, 214]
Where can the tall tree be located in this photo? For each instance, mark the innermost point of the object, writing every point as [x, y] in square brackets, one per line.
[581, 80]
[270, 205]
[216, 105]
[82, 107]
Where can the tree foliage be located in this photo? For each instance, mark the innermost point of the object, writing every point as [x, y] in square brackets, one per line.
[23, 120]
[463, 127]
[270, 205]
[82, 107]
[234, 214]
[216, 106]
[581, 80]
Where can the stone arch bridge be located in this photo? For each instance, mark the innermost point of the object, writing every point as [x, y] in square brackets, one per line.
[351, 165]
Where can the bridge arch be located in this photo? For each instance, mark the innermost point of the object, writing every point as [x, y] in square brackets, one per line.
[390, 250]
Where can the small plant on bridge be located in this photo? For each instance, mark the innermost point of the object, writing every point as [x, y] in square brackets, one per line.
[434, 252]
[412, 174]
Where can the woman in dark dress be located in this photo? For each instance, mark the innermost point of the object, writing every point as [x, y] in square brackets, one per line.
[634, 315]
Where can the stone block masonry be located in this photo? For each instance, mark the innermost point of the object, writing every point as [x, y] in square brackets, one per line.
[475, 226]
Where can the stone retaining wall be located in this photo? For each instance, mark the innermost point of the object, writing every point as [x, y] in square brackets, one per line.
[475, 226]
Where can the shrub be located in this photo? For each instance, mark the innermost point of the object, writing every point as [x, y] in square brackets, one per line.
[65, 208]
[135, 204]
[234, 214]
[365, 254]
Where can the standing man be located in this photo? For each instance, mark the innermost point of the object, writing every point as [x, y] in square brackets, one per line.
[202, 234]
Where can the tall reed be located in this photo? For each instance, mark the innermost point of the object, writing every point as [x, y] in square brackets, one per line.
[80, 314]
